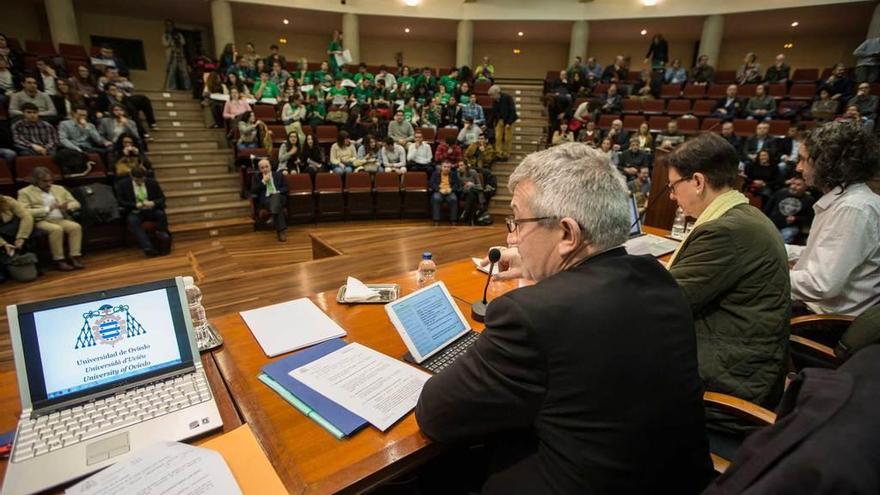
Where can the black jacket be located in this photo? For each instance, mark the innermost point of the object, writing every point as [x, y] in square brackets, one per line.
[125, 194]
[504, 109]
[258, 188]
[733, 109]
[826, 439]
[583, 383]
[611, 74]
[753, 145]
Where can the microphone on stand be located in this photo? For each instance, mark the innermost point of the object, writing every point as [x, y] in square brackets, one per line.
[478, 309]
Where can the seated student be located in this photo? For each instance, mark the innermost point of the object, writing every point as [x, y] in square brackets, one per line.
[368, 159]
[342, 154]
[644, 138]
[481, 154]
[293, 115]
[449, 151]
[750, 71]
[528, 382]
[419, 155]
[562, 135]
[473, 110]
[387, 79]
[675, 74]
[671, 137]
[78, 137]
[450, 115]
[485, 72]
[788, 147]
[235, 106]
[316, 112]
[791, 209]
[51, 207]
[106, 58]
[761, 106]
[30, 94]
[839, 269]
[761, 140]
[264, 88]
[84, 83]
[401, 131]
[618, 135]
[444, 186]
[592, 70]
[610, 103]
[278, 76]
[33, 136]
[312, 156]
[469, 132]
[392, 156]
[274, 56]
[248, 135]
[762, 176]
[127, 156]
[471, 192]
[839, 84]
[46, 76]
[139, 103]
[779, 72]
[269, 192]
[243, 72]
[590, 135]
[607, 149]
[66, 98]
[640, 188]
[581, 116]
[866, 102]
[289, 155]
[116, 124]
[616, 72]
[9, 80]
[729, 107]
[734, 273]
[702, 73]
[632, 160]
[824, 109]
[16, 226]
[143, 201]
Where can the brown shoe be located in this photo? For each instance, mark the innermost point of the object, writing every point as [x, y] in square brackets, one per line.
[282, 236]
[62, 266]
[76, 263]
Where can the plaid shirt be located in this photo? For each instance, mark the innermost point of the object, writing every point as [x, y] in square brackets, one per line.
[27, 134]
[474, 111]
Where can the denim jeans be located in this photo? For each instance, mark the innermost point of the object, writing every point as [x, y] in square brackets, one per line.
[8, 155]
[247, 146]
[789, 233]
[136, 218]
[437, 199]
[342, 169]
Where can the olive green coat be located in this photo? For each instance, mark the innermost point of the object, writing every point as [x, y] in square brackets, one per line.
[734, 272]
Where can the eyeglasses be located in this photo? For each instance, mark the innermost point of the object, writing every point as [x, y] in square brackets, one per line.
[513, 223]
[670, 187]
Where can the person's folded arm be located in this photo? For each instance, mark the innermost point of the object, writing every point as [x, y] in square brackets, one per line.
[498, 385]
[836, 252]
[707, 267]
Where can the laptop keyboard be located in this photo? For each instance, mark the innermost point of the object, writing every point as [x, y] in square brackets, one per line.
[444, 358]
[63, 428]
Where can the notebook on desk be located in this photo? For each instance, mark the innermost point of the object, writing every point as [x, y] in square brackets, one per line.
[639, 242]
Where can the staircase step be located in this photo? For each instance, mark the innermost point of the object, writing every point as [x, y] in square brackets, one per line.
[200, 181]
[202, 196]
[190, 169]
[214, 228]
[169, 114]
[161, 96]
[179, 144]
[208, 212]
[186, 125]
[179, 134]
[177, 156]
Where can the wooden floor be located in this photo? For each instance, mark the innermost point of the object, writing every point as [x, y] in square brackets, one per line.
[251, 270]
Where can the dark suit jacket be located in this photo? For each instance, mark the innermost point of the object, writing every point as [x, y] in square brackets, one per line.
[826, 439]
[125, 194]
[583, 383]
[454, 183]
[733, 109]
[753, 146]
[258, 189]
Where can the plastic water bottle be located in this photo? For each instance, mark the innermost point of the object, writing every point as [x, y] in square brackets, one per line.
[679, 224]
[196, 309]
[427, 269]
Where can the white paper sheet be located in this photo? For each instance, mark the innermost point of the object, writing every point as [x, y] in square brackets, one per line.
[290, 325]
[219, 97]
[343, 59]
[650, 244]
[368, 383]
[306, 87]
[484, 269]
[167, 468]
[357, 291]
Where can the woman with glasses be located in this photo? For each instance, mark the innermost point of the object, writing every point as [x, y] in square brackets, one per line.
[733, 270]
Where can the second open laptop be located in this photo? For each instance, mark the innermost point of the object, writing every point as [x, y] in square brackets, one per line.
[432, 327]
[101, 375]
[639, 242]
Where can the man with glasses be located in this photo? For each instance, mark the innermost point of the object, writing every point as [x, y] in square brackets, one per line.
[570, 388]
[866, 103]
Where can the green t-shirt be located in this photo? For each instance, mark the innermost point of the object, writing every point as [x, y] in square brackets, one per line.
[344, 74]
[406, 85]
[359, 76]
[430, 82]
[450, 83]
[362, 94]
[334, 46]
[318, 76]
[408, 113]
[315, 113]
[444, 97]
[334, 91]
[271, 90]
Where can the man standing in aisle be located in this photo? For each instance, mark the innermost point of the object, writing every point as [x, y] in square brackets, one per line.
[504, 114]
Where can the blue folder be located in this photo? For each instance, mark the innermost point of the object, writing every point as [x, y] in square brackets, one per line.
[344, 420]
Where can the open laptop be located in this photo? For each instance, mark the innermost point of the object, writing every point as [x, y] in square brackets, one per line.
[101, 375]
[640, 243]
[432, 327]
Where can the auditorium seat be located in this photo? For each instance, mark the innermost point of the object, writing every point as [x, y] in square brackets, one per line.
[632, 105]
[717, 91]
[69, 51]
[703, 108]
[725, 77]
[25, 165]
[744, 127]
[694, 91]
[40, 48]
[484, 101]
[723, 444]
[429, 134]
[746, 90]
[601, 89]
[632, 122]
[300, 198]
[279, 134]
[444, 132]
[388, 202]
[605, 121]
[678, 107]
[7, 182]
[805, 76]
[326, 134]
[330, 199]
[711, 124]
[653, 107]
[657, 123]
[359, 195]
[670, 91]
[689, 126]
[802, 91]
[777, 90]
[415, 194]
[779, 128]
[482, 87]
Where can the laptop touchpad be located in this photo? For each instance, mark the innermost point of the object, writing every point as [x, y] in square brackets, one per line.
[107, 448]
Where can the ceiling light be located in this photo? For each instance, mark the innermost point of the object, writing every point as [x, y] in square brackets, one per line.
[649, 3]
[411, 3]
[795, 24]
[644, 32]
[405, 30]
[283, 41]
[520, 33]
[517, 51]
[285, 21]
[788, 45]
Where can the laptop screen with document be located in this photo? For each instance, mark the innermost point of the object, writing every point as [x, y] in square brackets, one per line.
[77, 346]
[635, 225]
[427, 320]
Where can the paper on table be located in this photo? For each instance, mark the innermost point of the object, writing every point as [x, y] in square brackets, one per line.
[484, 269]
[167, 468]
[343, 59]
[247, 461]
[290, 325]
[356, 291]
[368, 383]
[306, 87]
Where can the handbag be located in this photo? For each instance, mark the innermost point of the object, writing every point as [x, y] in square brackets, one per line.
[22, 267]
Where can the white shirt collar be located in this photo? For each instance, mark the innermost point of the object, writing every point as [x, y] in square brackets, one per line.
[837, 194]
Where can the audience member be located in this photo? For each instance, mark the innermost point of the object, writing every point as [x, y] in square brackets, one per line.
[83, 82]
[675, 74]
[30, 94]
[116, 124]
[368, 159]
[236, 106]
[671, 137]
[334, 48]
[469, 132]
[838, 84]
[779, 72]
[729, 107]
[419, 155]
[648, 86]
[269, 191]
[264, 88]
[607, 148]
[868, 61]
[762, 176]
[406, 84]
[444, 186]
[571, 217]
[616, 72]
[400, 130]
[65, 99]
[9, 80]
[485, 72]
[580, 116]
[106, 58]
[788, 147]
[644, 138]
[729, 135]
[127, 156]
[293, 114]
[289, 154]
[78, 137]
[392, 156]
[576, 67]
[733, 270]
[703, 73]
[274, 56]
[250, 55]
[139, 103]
[504, 114]
[278, 76]
[750, 71]
[342, 154]
[450, 151]
[618, 135]
[8, 55]
[242, 71]
[562, 135]
[473, 110]
[248, 131]
[658, 52]
[592, 70]
[471, 191]
[450, 114]
[316, 113]
[761, 106]
[33, 136]
[632, 160]
[313, 155]
[839, 269]
[480, 154]
[46, 76]
[824, 109]
[791, 209]
[761, 140]
[143, 201]
[590, 135]
[51, 207]
[16, 226]
[388, 78]
[866, 103]
[640, 188]
[611, 103]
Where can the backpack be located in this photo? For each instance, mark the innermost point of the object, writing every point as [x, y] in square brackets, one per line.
[98, 202]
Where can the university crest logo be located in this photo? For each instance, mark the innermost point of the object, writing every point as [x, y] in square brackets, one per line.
[108, 325]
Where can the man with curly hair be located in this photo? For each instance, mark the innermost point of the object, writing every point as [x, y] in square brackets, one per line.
[839, 269]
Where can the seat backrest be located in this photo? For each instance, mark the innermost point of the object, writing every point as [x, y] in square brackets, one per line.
[694, 91]
[68, 50]
[386, 181]
[358, 182]
[415, 181]
[670, 90]
[279, 134]
[682, 106]
[605, 121]
[25, 165]
[779, 127]
[632, 105]
[805, 75]
[601, 89]
[725, 76]
[443, 132]
[266, 113]
[744, 127]
[711, 124]
[484, 101]
[688, 126]
[717, 91]
[746, 89]
[326, 133]
[6, 172]
[654, 106]
[704, 106]
[428, 134]
[482, 87]
[657, 123]
[327, 182]
[257, 152]
[777, 90]
[632, 122]
[803, 90]
[40, 48]
[299, 183]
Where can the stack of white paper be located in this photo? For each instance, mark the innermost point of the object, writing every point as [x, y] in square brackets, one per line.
[291, 325]
[357, 291]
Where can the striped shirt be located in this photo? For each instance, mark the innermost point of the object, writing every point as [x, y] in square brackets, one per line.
[26, 134]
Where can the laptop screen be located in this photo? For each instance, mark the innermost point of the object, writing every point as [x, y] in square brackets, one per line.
[635, 227]
[430, 320]
[82, 345]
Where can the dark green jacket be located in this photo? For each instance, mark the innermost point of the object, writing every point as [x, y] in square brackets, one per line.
[734, 272]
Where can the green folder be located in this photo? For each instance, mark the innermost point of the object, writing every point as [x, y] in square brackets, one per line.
[295, 402]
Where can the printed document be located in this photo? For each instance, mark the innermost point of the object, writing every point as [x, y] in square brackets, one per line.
[368, 383]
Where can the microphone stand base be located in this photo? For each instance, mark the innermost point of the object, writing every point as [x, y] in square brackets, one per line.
[478, 311]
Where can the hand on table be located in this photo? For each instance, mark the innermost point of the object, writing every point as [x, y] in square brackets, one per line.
[509, 266]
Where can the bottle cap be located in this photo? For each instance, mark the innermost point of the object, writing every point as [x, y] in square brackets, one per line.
[426, 255]
[188, 281]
